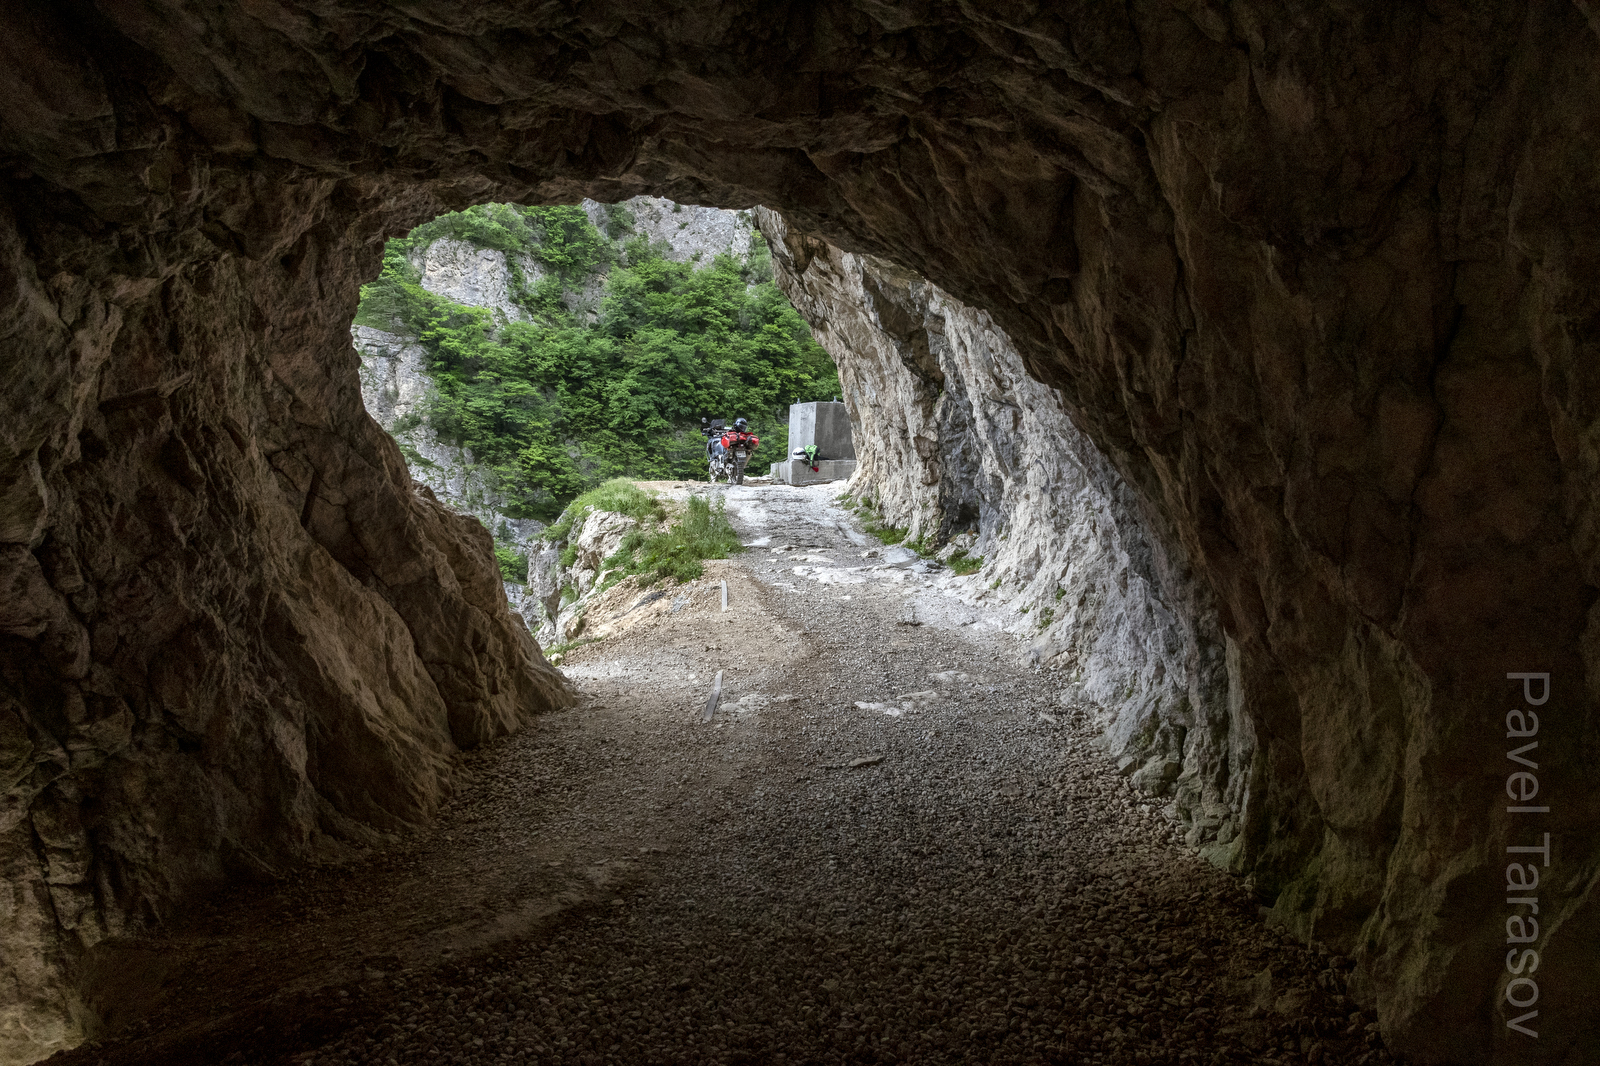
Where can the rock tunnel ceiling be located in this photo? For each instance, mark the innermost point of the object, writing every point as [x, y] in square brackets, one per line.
[1318, 282]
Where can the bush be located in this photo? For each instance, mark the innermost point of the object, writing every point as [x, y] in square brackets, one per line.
[616, 220]
[513, 565]
[962, 563]
[499, 226]
[676, 550]
[567, 241]
[406, 422]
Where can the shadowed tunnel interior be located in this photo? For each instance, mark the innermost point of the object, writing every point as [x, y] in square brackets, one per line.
[1318, 281]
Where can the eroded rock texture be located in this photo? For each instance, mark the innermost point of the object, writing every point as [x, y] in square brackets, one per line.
[958, 445]
[1318, 280]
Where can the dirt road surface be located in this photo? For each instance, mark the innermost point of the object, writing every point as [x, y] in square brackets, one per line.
[893, 843]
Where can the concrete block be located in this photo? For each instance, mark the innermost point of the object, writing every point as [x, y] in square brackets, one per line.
[796, 472]
[827, 425]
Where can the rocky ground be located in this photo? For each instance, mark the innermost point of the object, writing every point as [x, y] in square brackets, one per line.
[893, 842]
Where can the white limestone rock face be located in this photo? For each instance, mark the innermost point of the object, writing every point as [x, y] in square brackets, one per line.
[689, 233]
[394, 387]
[600, 537]
[474, 276]
[541, 598]
[394, 379]
[957, 442]
[592, 538]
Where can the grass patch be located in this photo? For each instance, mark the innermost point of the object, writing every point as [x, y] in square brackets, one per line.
[962, 563]
[874, 525]
[1046, 616]
[619, 495]
[658, 547]
[559, 650]
[675, 550]
[887, 534]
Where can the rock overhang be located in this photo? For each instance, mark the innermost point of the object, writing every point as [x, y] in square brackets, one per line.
[1329, 325]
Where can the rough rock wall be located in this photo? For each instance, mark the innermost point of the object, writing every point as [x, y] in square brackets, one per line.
[233, 634]
[1318, 280]
[237, 637]
[952, 436]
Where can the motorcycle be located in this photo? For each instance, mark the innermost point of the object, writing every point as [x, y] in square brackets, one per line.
[728, 451]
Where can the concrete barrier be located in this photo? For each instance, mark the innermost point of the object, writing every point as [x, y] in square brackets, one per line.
[827, 425]
[798, 472]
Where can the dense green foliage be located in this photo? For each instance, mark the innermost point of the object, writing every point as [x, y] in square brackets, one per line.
[513, 566]
[565, 401]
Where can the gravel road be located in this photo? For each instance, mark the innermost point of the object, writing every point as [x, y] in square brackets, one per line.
[893, 843]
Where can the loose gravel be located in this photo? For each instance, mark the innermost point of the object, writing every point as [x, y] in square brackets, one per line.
[893, 844]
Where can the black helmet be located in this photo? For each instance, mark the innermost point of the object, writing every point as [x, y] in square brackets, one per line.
[740, 424]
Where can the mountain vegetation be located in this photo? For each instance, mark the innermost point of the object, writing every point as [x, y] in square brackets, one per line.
[562, 401]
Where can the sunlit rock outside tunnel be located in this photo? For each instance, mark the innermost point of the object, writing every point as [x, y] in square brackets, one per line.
[1199, 665]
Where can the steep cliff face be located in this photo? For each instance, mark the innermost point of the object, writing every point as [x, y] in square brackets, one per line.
[953, 437]
[684, 232]
[394, 389]
[1317, 281]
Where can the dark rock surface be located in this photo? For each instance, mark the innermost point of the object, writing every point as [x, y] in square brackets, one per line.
[1319, 280]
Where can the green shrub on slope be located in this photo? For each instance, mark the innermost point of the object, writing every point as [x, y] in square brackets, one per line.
[677, 550]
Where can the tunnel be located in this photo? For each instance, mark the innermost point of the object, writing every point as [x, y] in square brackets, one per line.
[1310, 279]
